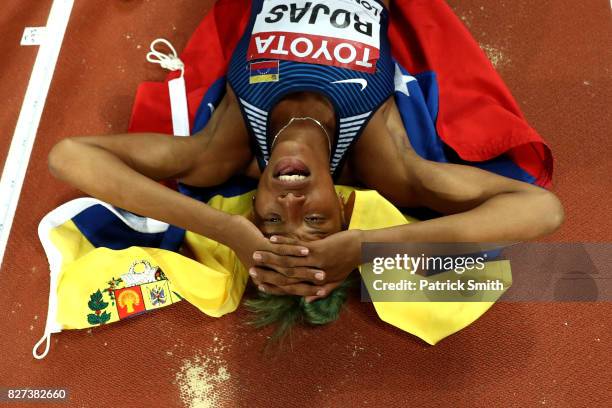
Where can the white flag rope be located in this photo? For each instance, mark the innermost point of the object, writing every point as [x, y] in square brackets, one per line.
[176, 87]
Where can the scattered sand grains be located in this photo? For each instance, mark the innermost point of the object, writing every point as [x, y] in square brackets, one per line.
[495, 55]
[201, 382]
[204, 380]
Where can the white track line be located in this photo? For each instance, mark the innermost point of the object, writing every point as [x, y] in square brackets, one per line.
[20, 151]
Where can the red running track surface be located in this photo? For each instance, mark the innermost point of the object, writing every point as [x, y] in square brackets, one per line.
[555, 56]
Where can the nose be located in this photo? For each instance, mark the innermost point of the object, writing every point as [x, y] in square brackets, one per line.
[291, 199]
[292, 202]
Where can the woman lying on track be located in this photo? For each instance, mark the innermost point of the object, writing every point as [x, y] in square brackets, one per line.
[302, 113]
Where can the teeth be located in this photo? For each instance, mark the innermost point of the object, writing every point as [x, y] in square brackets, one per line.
[291, 177]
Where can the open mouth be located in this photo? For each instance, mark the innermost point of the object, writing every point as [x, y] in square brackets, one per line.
[291, 170]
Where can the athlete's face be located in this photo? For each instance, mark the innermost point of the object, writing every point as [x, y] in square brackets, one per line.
[296, 196]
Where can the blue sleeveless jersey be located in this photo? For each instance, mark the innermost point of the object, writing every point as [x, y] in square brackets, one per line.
[339, 49]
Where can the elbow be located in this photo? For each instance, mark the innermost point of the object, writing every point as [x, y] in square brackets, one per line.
[552, 213]
[59, 158]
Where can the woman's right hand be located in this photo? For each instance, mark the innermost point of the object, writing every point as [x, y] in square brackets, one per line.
[246, 239]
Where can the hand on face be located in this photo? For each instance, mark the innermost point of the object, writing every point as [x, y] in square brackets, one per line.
[296, 197]
[328, 263]
[250, 239]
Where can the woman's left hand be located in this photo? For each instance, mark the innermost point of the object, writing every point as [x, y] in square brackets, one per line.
[334, 257]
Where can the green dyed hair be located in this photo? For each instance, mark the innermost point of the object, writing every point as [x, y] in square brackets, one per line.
[286, 311]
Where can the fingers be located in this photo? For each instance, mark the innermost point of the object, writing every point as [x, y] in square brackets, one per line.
[293, 275]
[324, 292]
[263, 276]
[272, 260]
[271, 290]
[275, 284]
[279, 239]
[287, 246]
[289, 250]
[298, 289]
[287, 256]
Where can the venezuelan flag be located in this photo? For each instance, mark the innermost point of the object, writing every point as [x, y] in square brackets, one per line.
[264, 71]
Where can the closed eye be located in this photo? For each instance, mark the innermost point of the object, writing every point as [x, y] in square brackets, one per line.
[314, 219]
[273, 219]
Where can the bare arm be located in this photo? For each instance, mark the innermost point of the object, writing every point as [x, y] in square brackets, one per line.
[480, 206]
[123, 170]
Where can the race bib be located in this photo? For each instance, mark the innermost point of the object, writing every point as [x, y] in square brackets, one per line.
[341, 33]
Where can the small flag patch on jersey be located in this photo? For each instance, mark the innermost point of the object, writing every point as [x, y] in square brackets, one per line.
[264, 71]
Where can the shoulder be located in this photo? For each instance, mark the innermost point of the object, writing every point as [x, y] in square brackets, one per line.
[383, 159]
[222, 147]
